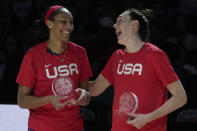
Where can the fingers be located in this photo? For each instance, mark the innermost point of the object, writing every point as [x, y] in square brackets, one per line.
[132, 116]
[78, 101]
[137, 120]
[69, 102]
[84, 97]
[61, 105]
[61, 97]
[58, 104]
[79, 90]
[82, 94]
[56, 101]
[131, 121]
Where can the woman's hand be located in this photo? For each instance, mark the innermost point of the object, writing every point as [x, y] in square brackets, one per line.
[84, 97]
[55, 101]
[139, 120]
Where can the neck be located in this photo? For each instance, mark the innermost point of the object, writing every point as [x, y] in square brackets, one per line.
[134, 46]
[56, 46]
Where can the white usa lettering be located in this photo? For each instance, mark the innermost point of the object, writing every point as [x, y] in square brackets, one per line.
[129, 68]
[62, 70]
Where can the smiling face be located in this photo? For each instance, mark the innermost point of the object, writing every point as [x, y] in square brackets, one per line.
[61, 26]
[124, 28]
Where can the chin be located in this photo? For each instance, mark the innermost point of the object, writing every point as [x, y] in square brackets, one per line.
[120, 42]
[65, 39]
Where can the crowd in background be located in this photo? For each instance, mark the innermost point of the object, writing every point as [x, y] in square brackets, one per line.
[173, 29]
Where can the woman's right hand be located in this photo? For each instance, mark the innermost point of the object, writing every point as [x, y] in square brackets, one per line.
[55, 101]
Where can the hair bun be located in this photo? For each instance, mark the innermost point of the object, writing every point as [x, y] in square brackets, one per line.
[148, 13]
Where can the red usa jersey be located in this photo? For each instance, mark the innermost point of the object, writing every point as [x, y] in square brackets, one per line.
[48, 74]
[144, 73]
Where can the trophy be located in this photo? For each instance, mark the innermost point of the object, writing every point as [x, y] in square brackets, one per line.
[128, 103]
[64, 86]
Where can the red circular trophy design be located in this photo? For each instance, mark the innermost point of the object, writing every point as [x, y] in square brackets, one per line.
[64, 86]
[128, 103]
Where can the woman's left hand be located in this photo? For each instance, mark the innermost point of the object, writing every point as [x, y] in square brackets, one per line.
[84, 97]
[139, 120]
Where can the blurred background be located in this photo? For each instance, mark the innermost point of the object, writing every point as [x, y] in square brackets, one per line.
[173, 29]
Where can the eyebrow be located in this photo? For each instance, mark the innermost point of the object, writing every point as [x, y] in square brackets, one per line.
[118, 18]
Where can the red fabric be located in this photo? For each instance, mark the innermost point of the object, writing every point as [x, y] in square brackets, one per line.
[145, 73]
[50, 11]
[38, 71]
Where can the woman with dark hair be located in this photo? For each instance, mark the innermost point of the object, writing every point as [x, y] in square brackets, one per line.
[142, 76]
[54, 76]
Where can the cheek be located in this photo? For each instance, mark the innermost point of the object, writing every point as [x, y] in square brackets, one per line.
[128, 29]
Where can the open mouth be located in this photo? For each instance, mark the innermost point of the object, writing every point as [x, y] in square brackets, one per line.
[66, 33]
[118, 33]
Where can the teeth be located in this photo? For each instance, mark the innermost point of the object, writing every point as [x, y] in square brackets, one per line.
[66, 32]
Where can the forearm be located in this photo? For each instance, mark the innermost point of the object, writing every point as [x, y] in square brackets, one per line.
[169, 106]
[33, 101]
[93, 91]
[91, 88]
[98, 86]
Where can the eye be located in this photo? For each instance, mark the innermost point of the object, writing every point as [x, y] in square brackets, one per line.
[119, 21]
[63, 22]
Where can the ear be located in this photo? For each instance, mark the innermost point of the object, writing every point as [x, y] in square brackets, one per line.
[49, 24]
[135, 24]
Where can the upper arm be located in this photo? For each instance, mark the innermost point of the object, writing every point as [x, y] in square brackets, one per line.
[99, 85]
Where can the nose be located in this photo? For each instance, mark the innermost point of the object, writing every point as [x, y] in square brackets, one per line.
[115, 25]
[69, 27]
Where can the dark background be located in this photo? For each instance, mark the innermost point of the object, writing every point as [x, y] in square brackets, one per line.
[173, 29]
